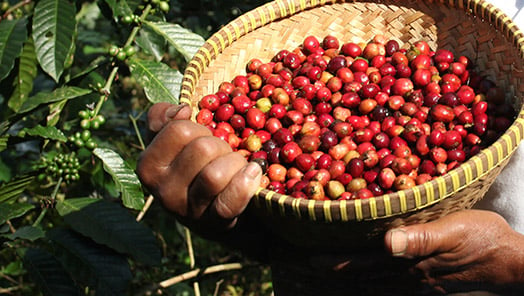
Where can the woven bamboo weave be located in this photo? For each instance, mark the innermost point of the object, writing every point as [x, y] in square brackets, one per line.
[473, 28]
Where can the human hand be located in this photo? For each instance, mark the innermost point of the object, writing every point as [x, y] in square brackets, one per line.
[466, 250]
[196, 176]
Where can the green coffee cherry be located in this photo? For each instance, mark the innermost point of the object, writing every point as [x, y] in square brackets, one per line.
[86, 135]
[83, 114]
[130, 50]
[101, 119]
[85, 123]
[62, 165]
[127, 19]
[90, 144]
[164, 6]
[113, 50]
[121, 55]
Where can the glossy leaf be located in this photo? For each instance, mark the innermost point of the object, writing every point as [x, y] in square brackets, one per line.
[182, 39]
[27, 71]
[15, 210]
[12, 38]
[64, 93]
[151, 43]
[125, 178]
[55, 109]
[121, 7]
[47, 132]
[111, 225]
[160, 82]
[11, 190]
[54, 27]
[48, 274]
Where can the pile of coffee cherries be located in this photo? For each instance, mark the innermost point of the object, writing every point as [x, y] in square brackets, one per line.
[351, 121]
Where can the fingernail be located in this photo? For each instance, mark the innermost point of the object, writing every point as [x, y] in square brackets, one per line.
[171, 112]
[253, 170]
[399, 242]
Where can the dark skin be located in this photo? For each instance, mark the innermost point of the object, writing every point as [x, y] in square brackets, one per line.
[208, 187]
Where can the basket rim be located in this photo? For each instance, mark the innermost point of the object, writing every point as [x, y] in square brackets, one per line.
[393, 204]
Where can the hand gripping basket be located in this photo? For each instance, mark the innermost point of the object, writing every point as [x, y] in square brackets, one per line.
[473, 28]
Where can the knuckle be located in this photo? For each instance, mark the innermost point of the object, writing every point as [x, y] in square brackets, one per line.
[209, 146]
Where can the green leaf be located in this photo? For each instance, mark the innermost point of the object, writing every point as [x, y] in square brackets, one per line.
[27, 71]
[54, 27]
[48, 274]
[15, 268]
[111, 225]
[120, 8]
[151, 43]
[55, 109]
[59, 94]
[182, 39]
[161, 83]
[15, 210]
[109, 272]
[47, 132]
[26, 232]
[125, 178]
[11, 190]
[3, 142]
[14, 33]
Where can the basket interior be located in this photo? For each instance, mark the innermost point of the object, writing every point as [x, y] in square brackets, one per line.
[472, 28]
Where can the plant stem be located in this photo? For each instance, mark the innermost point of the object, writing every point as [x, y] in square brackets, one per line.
[53, 197]
[193, 273]
[15, 7]
[137, 131]
[107, 87]
[146, 206]
[191, 252]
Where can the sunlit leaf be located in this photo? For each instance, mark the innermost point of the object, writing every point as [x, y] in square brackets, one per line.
[125, 178]
[161, 83]
[47, 132]
[14, 33]
[27, 71]
[54, 27]
[111, 225]
[151, 43]
[63, 93]
[182, 39]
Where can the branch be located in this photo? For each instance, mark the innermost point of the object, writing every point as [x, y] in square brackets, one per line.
[15, 7]
[195, 272]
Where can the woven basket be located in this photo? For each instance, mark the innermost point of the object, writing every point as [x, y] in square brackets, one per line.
[473, 28]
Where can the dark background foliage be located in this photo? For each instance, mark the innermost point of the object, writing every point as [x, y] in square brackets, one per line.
[72, 124]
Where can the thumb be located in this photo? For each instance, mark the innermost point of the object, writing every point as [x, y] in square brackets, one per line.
[417, 240]
[161, 113]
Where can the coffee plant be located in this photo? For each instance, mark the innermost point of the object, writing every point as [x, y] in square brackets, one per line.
[76, 81]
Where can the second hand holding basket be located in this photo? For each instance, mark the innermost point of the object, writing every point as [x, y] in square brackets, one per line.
[473, 28]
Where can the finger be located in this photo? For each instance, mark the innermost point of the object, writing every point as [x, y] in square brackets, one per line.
[186, 167]
[418, 240]
[221, 179]
[158, 157]
[233, 200]
[162, 113]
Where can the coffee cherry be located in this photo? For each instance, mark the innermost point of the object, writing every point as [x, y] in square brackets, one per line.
[354, 121]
